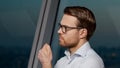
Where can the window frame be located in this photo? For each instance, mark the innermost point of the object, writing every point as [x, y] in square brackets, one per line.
[44, 30]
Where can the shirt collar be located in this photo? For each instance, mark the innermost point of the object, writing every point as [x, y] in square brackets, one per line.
[82, 51]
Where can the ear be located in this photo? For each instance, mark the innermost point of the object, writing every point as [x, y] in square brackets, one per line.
[82, 33]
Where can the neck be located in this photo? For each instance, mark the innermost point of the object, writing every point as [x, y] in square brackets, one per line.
[74, 49]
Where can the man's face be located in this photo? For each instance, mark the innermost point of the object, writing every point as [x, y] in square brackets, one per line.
[69, 38]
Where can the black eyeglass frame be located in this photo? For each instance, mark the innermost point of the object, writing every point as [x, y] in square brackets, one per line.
[65, 28]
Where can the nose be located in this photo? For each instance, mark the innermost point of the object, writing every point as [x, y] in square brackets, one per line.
[59, 31]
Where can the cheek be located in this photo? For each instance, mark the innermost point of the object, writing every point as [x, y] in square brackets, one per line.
[71, 37]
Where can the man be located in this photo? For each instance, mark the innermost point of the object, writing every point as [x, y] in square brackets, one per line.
[76, 28]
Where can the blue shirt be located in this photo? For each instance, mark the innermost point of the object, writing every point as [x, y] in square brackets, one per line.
[84, 57]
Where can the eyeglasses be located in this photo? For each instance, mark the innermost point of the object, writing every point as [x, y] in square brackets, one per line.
[65, 28]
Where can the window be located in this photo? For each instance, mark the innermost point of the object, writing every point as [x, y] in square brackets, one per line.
[18, 21]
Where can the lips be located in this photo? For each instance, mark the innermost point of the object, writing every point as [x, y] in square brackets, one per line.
[60, 37]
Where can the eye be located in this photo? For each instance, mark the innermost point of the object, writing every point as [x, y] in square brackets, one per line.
[59, 25]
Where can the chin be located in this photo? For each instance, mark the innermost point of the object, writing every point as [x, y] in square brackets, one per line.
[61, 44]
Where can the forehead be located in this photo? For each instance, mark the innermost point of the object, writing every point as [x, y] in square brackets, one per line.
[69, 20]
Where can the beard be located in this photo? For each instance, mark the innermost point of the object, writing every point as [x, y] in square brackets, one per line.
[68, 44]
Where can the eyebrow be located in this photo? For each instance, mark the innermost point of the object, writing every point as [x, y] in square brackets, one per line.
[70, 26]
[66, 25]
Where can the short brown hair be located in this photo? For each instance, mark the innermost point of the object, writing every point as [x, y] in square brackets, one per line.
[85, 17]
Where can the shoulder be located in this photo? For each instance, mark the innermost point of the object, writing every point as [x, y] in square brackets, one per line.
[93, 60]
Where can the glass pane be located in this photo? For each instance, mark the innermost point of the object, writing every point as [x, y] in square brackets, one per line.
[106, 38]
[18, 21]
